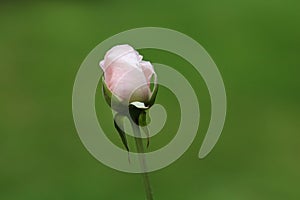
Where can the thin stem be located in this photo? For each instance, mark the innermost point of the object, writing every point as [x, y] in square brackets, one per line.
[140, 150]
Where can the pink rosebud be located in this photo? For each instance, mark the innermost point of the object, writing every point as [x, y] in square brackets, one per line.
[126, 75]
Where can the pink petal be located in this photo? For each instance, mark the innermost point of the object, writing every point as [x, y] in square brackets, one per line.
[148, 70]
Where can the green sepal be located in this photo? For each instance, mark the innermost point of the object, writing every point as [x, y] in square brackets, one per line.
[153, 96]
[134, 113]
[119, 125]
[144, 118]
[141, 118]
[107, 94]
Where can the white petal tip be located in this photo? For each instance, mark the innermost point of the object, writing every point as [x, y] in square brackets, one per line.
[139, 104]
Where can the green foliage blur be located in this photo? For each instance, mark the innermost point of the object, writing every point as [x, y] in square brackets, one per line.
[255, 44]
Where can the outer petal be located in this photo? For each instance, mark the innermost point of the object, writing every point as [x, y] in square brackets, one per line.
[124, 52]
[131, 86]
[148, 70]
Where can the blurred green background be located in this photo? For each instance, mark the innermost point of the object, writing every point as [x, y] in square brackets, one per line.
[256, 45]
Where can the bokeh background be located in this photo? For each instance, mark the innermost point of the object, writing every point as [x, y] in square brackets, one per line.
[256, 45]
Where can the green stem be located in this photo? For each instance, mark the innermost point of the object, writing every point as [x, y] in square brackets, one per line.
[140, 150]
